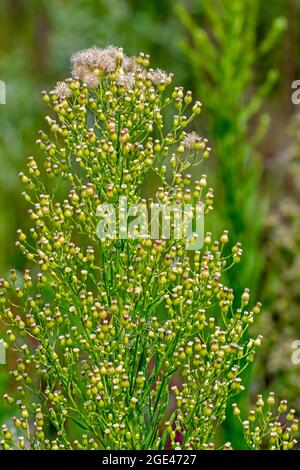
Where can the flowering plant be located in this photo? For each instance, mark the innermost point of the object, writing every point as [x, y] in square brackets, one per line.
[132, 341]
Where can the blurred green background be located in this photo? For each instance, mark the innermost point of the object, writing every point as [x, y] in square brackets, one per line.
[239, 57]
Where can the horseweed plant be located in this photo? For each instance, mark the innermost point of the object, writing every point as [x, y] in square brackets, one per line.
[134, 340]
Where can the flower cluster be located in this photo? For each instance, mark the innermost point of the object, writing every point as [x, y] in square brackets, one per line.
[270, 425]
[92, 64]
[135, 341]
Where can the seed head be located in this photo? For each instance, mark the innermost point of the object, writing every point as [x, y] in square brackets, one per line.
[190, 140]
[126, 80]
[158, 76]
[130, 64]
[62, 90]
[89, 60]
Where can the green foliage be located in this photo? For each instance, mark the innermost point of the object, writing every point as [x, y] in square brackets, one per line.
[282, 278]
[223, 51]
